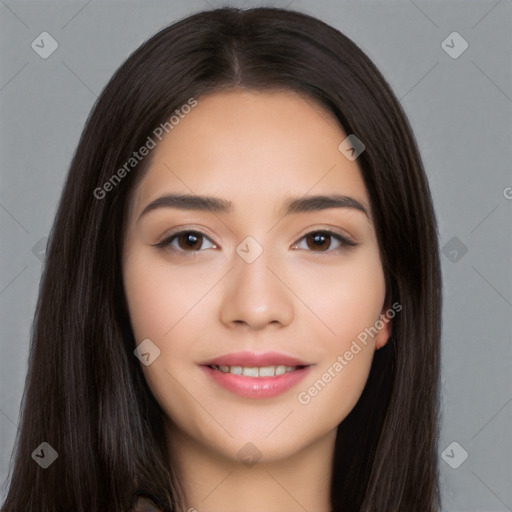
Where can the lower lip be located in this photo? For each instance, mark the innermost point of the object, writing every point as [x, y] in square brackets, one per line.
[257, 387]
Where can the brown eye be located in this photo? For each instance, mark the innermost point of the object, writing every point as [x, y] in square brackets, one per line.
[321, 241]
[189, 240]
[185, 241]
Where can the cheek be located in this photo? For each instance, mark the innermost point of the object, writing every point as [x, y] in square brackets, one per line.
[346, 297]
[164, 304]
[344, 343]
[335, 387]
[159, 295]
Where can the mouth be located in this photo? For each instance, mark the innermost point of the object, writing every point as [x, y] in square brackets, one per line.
[256, 375]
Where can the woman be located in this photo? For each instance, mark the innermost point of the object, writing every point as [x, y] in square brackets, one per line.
[240, 307]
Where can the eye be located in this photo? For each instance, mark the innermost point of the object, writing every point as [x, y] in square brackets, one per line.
[316, 241]
[321, 241]
[187, 241]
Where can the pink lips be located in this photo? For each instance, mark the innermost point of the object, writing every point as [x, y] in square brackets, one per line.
[256, 387]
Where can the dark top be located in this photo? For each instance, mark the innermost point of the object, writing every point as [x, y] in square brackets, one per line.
[144, 503]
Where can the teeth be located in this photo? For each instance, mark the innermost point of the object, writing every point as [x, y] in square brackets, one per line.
[267, 371]
[252, 371]
[280, 370]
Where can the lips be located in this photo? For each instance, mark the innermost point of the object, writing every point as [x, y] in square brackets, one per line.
[256, 375]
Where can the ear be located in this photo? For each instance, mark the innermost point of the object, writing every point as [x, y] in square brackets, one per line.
[384, 324]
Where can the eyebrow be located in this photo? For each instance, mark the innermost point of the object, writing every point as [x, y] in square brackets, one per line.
[217, 205]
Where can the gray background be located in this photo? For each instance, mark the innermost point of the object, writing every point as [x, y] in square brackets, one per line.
[460, 110]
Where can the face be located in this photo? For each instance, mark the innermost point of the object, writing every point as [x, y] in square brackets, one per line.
[256, 304]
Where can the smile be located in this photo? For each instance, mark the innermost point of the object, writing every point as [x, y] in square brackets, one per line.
[256, 375]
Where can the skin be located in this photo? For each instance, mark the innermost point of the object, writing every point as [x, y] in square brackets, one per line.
[254, 149]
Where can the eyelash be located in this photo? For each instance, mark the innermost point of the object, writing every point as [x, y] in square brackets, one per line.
[345, 243]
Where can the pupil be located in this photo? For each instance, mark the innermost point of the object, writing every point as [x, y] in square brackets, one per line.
[191, 240]
[320, 241]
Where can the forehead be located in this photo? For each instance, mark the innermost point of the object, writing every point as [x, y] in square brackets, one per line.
[249, 146]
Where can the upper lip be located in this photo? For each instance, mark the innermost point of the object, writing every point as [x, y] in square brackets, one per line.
[252, 359]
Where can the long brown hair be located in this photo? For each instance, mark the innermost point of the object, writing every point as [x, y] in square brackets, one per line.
[85, 393]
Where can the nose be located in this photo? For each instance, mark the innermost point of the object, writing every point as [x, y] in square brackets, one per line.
[256, 295]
